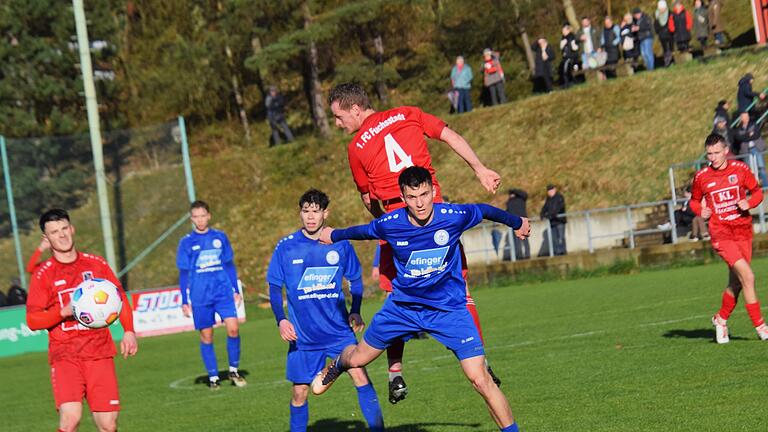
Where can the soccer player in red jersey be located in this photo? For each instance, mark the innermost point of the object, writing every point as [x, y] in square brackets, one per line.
[385, 143]
[81, 358]
[730, 190]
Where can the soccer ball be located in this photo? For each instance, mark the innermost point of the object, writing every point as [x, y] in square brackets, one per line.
[96, 303]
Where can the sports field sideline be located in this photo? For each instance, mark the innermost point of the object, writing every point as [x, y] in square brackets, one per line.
[616, 353]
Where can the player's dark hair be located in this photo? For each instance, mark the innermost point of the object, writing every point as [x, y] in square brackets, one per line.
[348, 94]
[53, 215]
[713, 139]
[314, 196]
[414, 177]
[199, 204]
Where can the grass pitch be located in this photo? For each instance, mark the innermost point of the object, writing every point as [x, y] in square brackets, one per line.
[617, 353]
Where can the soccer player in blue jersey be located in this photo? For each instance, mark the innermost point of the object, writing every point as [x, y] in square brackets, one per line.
[208, 278]
[429, 291]
[318, 324]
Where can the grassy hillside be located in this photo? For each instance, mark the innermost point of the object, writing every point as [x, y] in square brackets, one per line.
[604, 143]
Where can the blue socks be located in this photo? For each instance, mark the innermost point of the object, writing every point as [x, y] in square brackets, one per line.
[209, 359]
[299, 417]
[511, 428]
[369, 405]
[233, 351]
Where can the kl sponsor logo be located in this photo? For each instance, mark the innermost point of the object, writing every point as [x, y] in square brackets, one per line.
[423, 263]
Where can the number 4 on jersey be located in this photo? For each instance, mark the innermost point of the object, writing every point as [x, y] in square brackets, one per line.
[395, 152]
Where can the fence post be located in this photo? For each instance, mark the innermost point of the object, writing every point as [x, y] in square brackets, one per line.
[672, 222]
[631, 228]
[511, 242]
[589, 231]
[187, 161]
[549, 239]
[761, 213]
[672, 183]
[485, 249]
[12, 214]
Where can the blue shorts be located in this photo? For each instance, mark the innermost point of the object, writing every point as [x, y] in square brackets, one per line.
[203, 315]
[454, 329]
[301, 366]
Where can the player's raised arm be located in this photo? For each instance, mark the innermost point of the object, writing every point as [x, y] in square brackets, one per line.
[519, 224]
[488, 178]
[358, 232]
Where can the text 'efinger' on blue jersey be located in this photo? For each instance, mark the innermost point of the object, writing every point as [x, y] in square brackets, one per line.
[205, 262]
[312, 274]
[427, 259]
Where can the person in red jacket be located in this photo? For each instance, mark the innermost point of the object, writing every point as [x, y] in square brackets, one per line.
[730, 190]
[81, 358]
[34, 260]
[680, 25]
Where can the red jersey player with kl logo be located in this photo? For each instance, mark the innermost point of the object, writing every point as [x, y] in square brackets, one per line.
[80, 357]
[386, 143]
[730, 191]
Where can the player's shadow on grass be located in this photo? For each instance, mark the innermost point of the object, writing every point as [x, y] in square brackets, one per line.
[696, 334]
[223, 375]
[336, 425]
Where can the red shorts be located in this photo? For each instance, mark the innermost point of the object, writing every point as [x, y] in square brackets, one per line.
[388, 272]
[94, 380]
[733, 250]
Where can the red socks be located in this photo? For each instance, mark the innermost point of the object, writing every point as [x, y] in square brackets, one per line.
[728, 305]
[753, 309]
[473, 311]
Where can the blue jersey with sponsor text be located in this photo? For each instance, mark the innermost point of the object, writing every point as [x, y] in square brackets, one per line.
[428, 259]
[205, 257]
[312, 274]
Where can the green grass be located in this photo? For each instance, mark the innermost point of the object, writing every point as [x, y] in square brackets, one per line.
[615, 353]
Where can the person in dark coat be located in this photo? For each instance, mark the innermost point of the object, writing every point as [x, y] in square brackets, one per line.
[721, 126]
[569, 53]
[553, 207]
[745, 95]
[750, 141]
[630, 44]
[723, 109]
[661, 26]
[643, 26]
[680, 25]
[543, 57]
[610, 39]
[516, 206]
[700, 22]
[275, 106]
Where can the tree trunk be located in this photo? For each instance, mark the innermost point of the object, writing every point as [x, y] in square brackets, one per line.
[312, 81]
[381, 86]
[528, 50]
[238, 95]
[570, 13]
[608, 11]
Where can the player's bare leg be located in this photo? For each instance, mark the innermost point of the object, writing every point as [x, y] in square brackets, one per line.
[353, 356]
[475, 370]
[751, 303]
[233, 351]
[106, 421]
[69, 416]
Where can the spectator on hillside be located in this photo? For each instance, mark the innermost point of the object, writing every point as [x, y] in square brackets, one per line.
[493, 77]
[715, 21]
[701, 23]
[745, 95]
[680, 25]
[569, 53]
[630, 44]
[553, 207]
[662, 30]
[275, 105]
[516, 206]
[747, 134]
[590, 44]
[643, 26]
[722, 127]
[461, 80]
[543, 57]
[16, 294]
[3, 300]
[610, 39]
[723, 109]
[687, 221]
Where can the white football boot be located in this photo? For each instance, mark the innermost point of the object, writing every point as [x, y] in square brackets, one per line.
[762, 331]
[721, 330]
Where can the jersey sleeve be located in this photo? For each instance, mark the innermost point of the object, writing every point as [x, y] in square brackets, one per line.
[227, 254]
[352, 269]
[275, 274]
[472, 215]
[431, 125]
[38, 317]
[755, 191]
[696, 196]
[182, 257]
[358, 172]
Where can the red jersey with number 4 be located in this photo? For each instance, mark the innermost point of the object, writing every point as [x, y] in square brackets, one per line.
[723, 189]
[52, 286]
[387, 143]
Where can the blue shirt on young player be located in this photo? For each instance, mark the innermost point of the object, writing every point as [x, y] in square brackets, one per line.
[427, 258]
[312, 274]
[207, 271]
